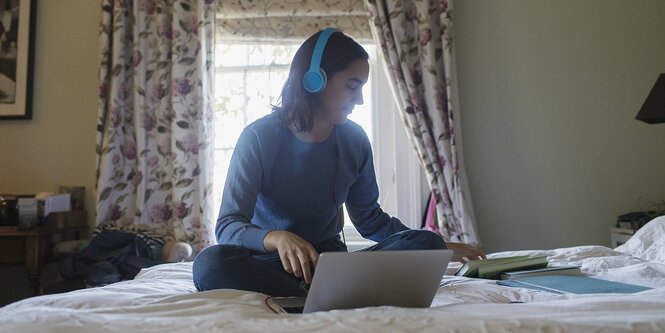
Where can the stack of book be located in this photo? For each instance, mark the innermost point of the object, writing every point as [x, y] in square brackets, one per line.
[534, 273]
[635, 220]
[627, 224]
[509, 268]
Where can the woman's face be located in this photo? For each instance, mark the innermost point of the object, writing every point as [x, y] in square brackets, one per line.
[343, 92]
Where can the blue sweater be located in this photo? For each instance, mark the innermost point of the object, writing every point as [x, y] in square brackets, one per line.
[278, 182]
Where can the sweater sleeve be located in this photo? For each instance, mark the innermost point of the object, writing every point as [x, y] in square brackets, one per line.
[243, 183]
[362, 202]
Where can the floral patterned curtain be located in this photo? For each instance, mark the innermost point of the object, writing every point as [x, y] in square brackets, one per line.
[289, 20]
[416, 40]
[154, 151]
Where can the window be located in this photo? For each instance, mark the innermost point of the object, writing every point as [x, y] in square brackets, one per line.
[249, 78]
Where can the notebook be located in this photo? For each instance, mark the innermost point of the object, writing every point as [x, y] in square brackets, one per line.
[550, 270]
[568, 284]
[348, 280]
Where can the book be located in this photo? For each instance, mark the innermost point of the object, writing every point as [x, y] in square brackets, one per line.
[550, 270]
[492, 268]
[470, 268]
[569, 284]
[493, 271]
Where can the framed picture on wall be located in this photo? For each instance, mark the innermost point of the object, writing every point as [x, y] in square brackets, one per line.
[17, 30]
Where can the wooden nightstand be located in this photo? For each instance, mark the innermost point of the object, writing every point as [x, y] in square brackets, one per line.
[619, 236]
[34, 247]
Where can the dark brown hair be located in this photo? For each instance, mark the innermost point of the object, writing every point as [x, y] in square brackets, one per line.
[297, 106]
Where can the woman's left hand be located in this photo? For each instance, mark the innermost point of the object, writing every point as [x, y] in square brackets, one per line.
[465, 252]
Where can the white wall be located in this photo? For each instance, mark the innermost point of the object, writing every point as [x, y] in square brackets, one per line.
[548, 95]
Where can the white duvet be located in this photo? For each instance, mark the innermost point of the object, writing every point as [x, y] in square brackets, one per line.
[163, 299]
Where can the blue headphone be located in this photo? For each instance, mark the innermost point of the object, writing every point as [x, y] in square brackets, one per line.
[314, 80]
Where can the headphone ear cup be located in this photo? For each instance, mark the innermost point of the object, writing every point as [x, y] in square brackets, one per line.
[314, 81]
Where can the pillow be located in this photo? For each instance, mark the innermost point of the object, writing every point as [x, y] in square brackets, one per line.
[648, 243]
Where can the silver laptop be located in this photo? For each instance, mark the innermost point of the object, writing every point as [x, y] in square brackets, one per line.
[348, 280]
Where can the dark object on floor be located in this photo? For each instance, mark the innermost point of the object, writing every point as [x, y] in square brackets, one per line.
[111, 256]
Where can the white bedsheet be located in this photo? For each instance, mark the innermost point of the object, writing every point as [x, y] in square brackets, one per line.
[163, 299]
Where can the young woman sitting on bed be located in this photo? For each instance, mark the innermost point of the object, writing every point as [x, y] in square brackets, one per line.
[290, 173]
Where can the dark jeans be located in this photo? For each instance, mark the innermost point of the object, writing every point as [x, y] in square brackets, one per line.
[234, 267]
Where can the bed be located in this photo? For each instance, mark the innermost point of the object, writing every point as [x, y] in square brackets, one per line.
[163, 299]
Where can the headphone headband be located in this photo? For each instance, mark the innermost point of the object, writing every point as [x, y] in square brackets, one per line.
[314, 80]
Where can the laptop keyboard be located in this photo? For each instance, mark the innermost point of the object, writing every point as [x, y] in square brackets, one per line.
[290, 304]
[294, 309]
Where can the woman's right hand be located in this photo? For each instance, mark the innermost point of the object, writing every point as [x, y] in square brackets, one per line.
[298, 256]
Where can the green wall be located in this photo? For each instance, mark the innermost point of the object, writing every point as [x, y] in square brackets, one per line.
[548, 92]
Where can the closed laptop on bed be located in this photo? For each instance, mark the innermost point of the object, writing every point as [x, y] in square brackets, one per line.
[344, 280]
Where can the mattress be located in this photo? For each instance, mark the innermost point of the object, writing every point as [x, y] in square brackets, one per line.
[163, 299]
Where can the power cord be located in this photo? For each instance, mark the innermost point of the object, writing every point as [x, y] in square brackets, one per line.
[267, 302]
[340, 210]
[341, 219]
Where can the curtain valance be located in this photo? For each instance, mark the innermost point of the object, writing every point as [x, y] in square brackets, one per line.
[289, 21]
